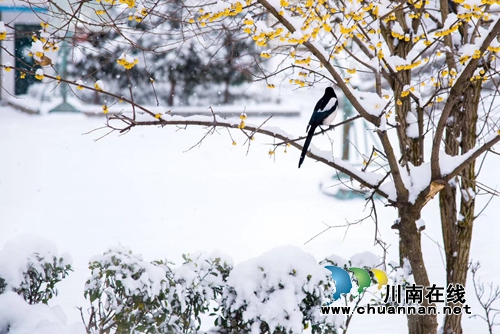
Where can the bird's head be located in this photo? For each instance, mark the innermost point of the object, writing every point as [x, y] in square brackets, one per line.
[330, 92]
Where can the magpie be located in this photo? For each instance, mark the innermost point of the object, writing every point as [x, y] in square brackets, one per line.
[324, 113]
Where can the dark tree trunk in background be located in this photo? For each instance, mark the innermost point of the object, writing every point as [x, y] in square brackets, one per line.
[457, 231]
[171, 96]
[227, 95]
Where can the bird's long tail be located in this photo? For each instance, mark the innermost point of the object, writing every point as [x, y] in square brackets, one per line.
[310, 135]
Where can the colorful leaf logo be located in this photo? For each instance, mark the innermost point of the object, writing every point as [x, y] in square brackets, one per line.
[343, 282]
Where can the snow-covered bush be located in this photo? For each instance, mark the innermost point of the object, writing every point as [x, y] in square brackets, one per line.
[198, 286]
[279, 292]
[31, 267]
[129, 295]
[126, 293]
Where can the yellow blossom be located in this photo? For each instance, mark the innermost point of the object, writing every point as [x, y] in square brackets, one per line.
[303, 61]
[158, 115]
[39, 74]
[129, 3]
[494, 49]
[264, 54]
[127, 61]
[463, 59]
[105, 109]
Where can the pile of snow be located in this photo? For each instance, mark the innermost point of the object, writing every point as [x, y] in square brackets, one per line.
[18, 317]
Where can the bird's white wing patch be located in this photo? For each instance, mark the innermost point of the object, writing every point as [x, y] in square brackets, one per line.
[329, 105]
[329, 120]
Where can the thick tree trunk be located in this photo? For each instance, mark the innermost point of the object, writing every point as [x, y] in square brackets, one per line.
[410, 249]
[457, 233]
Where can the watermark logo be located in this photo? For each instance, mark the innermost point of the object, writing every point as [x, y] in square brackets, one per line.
[343, 281]
[409, 299]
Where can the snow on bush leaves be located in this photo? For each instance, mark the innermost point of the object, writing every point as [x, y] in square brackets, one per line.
[131, 295]
[278, 292]
[31, 266]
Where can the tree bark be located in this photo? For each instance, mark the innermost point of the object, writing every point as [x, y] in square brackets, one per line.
[410, 249]
[457, 232]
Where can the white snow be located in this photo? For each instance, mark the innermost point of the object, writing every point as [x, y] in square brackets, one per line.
[365, 259]
[18, 317]
[420, 223]
[412, 129]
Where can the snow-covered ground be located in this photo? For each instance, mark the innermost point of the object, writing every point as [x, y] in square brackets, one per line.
[143, 190]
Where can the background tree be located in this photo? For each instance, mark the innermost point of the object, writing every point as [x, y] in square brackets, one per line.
[185, 71]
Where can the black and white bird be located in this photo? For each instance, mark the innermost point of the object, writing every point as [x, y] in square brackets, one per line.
[324, 113]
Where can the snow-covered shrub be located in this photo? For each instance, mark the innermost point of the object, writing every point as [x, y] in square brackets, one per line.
[281, 291]
[126, 293]
[31, 267]
[130, 295]
[199, 282]
[278, 292]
